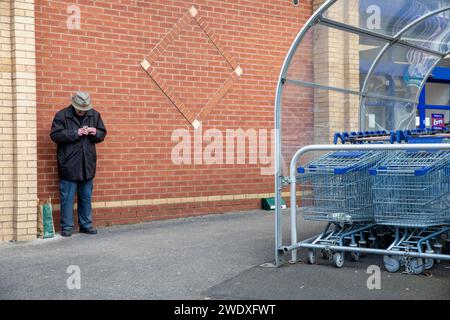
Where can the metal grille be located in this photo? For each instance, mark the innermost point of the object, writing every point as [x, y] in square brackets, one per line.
[338, 188]
[411, 189]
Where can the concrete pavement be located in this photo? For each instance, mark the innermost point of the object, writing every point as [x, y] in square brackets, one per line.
[204, 257]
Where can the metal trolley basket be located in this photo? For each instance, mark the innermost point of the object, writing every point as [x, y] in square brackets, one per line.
[337, 188]
[411, 189]
[411, 192]
[376, 199]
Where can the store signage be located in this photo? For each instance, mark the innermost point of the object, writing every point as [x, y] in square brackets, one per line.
[437, 120]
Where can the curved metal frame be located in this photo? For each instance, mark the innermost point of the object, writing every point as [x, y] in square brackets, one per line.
[278, 99]
[280, 180]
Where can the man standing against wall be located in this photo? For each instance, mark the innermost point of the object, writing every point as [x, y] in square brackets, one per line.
[76, 130]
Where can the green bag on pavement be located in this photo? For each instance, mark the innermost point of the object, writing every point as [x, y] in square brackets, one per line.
[46, 228]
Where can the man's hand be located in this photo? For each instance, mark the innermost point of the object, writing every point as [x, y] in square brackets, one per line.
[92, 131]
[82, 132]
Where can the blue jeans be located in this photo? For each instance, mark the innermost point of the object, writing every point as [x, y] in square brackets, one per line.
[67, 193]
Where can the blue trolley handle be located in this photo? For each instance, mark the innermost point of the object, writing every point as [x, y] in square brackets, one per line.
[337, 137]
[392, 138]
[399, 136]
[403, 135]
[407, 134]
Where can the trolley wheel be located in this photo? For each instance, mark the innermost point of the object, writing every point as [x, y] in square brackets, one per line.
[417, 266]
[392, 264]
[438, 249]
[311, 257]
[356, 256]
[429, 264]
[338, 259]
[400, 259]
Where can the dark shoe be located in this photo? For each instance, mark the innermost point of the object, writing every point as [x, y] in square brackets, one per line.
[88, 230]
[66, 233]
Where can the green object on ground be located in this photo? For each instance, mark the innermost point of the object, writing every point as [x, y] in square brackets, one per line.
[269, 204]
[49, 230]
[46, 228]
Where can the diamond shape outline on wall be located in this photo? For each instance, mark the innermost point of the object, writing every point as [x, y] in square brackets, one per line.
[194, 120]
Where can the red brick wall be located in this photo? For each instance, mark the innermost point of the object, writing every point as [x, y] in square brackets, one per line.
[104, 57]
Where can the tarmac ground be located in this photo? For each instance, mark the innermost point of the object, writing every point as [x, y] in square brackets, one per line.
[210, 257]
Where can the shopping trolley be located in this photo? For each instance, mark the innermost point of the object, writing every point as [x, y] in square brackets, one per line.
[408, 238]
[337, 188]
[412, 195]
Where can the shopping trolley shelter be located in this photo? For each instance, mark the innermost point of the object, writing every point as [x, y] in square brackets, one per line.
[371, 170]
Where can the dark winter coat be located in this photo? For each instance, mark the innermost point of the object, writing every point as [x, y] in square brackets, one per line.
[77, 156]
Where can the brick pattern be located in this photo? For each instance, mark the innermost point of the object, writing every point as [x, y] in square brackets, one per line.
[147, 64]
[136, 179]
[298, 103]
[153, 202]
[336, 64]
[107, 217]
[331, 58]
[113, 213]
[134, 163]
[18, 215]
[24, 118]
[6, 128]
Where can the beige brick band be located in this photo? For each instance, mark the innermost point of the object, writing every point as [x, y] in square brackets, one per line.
[18, 155]
[168, 201]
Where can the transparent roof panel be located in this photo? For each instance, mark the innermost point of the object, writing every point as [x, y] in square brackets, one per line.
[385, 114]
[359, 65]
[431, 33]
[312, 116]
[386, 17]
[401, 72]
[335, 58]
